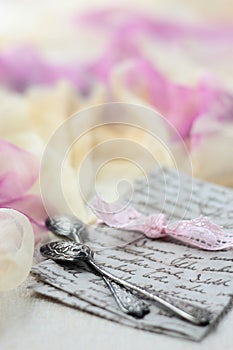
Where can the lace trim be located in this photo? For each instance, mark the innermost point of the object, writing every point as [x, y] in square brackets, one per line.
[200, 232]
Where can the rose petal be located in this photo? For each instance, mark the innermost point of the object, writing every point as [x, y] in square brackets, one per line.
[212, 134]
[16, 248]
[178, 103]
[18, 171]
[23, 66]
[32, 206]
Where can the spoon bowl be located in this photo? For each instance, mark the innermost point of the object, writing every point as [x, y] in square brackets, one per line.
[70, 227]
[66, 251]
[66, 226]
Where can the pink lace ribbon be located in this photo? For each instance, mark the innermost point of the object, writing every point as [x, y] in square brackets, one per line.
[200, 232]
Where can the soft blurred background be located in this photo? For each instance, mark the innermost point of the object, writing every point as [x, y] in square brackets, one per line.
[58, 57]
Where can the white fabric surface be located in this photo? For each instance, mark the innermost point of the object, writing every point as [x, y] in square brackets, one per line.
[31, 322]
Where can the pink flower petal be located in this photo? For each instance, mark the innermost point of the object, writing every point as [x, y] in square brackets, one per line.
[18, 171]
[24, 66]
[178, 103]
[127, 23]
[32, 206]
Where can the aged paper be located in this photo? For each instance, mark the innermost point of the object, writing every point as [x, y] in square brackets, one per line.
[162, 266]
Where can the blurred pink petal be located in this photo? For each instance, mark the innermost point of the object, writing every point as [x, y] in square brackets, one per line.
[23, 66]
[128, 24]
[178, 103]
[32, 206]
[18, 171]
[219, 105]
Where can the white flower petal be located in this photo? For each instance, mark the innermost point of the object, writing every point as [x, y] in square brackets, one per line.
[16, 248]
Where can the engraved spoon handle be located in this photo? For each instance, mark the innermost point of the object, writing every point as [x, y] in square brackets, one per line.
[187, 311]
[127, 302]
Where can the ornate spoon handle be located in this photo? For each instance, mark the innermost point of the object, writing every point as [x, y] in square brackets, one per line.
[127, 302]
[74, 252]
[187, 311]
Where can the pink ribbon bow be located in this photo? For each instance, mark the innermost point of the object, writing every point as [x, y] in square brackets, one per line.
[199, 232]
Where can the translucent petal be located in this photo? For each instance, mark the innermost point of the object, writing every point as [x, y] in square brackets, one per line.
[16, 248]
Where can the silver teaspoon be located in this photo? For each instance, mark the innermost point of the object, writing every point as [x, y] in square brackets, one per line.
[74, 252]
[72, 228]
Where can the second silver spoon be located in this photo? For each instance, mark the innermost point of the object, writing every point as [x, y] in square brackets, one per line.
[72, 228]
[75, 252]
